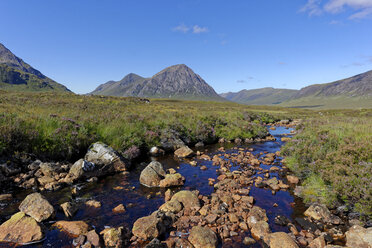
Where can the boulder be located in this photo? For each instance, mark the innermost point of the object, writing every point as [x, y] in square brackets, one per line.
[20, 229]
[36, 206]
[184, 152]
[260, 230]
[113, 237]
[320, 212]
[187, 198]
[75, 228]
[171, 180]
[148, 227]
[152, 174]
[358, 236]
[203, 237]
[106, 159]
[76, 171]
[279, 240]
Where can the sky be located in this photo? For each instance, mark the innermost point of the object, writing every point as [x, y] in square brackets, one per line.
[232, 45]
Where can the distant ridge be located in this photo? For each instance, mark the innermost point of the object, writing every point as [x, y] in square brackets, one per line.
[16, 75]
[176, 82]
[262, 96]
[352, 92]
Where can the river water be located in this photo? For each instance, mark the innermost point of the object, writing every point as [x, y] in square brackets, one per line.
[141, 201]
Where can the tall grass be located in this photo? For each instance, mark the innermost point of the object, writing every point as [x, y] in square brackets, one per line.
[333, 154]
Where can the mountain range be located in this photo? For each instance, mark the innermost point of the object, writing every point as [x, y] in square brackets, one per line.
[180, 82]
[16, 75]
[353, 92]
[176, 82]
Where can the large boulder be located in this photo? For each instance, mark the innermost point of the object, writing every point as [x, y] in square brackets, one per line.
[36, 206]
[187, 198]
[75, 228]
[152, 174]
[203, 237]
[148, 227]
[184, 152]
[172, 180]
[280, 240]
[106, 158]
[358, 236]
[20, 229]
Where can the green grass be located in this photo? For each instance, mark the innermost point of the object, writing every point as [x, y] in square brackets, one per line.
[62, 126]
[333, 155]
[331, 102]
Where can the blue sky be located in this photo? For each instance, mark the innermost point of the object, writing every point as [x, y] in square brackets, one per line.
[233, 45]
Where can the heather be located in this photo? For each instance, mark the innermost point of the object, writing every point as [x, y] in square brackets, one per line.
[332, 154]
[62, 126]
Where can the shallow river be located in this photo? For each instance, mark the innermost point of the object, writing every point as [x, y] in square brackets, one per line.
[141, 201]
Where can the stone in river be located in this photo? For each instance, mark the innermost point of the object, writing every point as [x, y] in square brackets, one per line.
[358, 236]
[37, 206]
[20, 229]
[187, 198]
[152, 174]
[184, 152]
[171, 180]
[113, 237]
[73, 227]
[280, 240]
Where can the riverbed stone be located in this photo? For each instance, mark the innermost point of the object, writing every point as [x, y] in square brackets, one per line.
[20, 229]
[358, 236]
[280, 240]
[76, 171]
[152, 174]
[5, 197]
[318, 243]
[172, 180]
[148, 227]
[187, 198]
[260, 230]
[75, 228]
[184, 152]
[203, 237]
[69, 209]
[93, 203]
[255, 215]
[94, 238]
[37, 206]
[119, 209]
[113, 237]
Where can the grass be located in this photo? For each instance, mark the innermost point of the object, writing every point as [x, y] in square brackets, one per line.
[62, 126]
[332, 154]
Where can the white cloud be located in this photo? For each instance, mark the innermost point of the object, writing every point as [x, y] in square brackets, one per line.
[181, 28]
[362, 8]
[197, 29]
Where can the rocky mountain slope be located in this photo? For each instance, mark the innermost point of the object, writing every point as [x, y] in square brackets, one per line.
[178, 82]
[263, 96]
[16, 75]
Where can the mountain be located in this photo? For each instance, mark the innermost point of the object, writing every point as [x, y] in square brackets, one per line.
[353, 92]
[263, 96]
[177, 82]
[16, 75]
